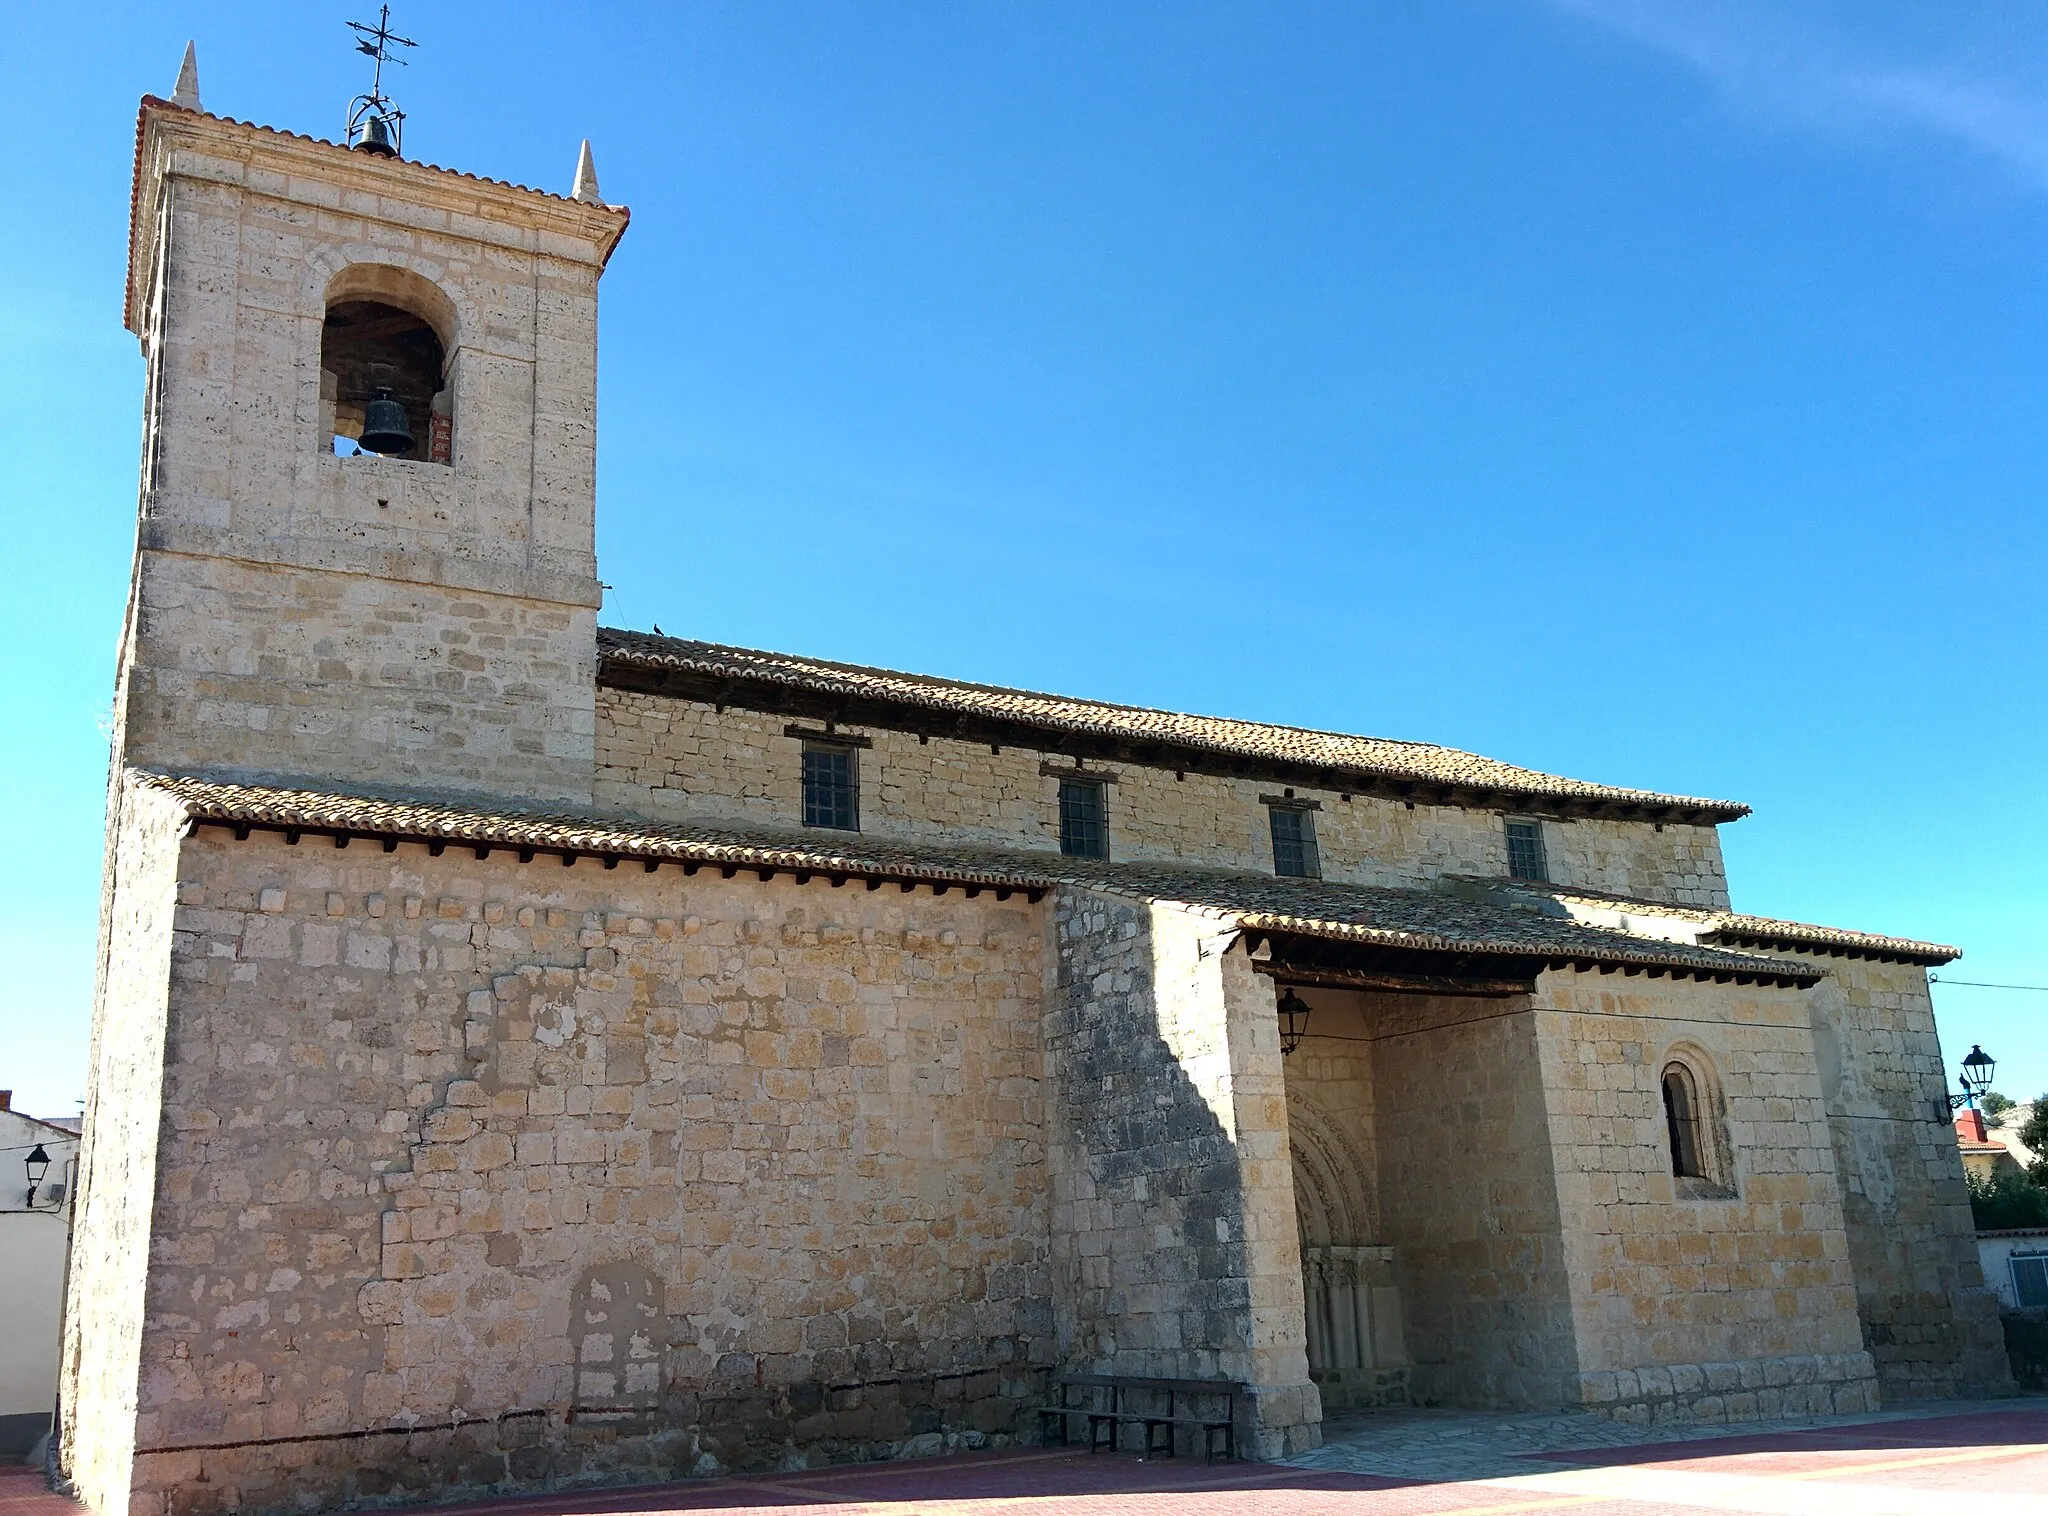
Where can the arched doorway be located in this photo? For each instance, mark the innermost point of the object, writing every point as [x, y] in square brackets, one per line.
[1352, 1308]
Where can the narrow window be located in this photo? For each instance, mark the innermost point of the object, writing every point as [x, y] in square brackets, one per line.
[2029, 1281]
[831, 787]
[1525, 851]
[1682, 1122]
[1294, 842]
[1083, 831]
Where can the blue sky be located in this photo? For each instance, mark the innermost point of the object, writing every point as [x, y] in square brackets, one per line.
[1653, 393]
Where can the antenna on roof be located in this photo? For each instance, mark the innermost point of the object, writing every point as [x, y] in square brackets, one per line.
[375, 125]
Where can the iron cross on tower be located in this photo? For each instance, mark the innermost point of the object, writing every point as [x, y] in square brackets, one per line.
[375, 125]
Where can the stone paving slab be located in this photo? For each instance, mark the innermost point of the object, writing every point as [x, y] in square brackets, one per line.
[1463, 1445]
[1900, 1463]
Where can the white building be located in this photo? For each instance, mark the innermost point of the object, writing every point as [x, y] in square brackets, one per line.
[35, 1229]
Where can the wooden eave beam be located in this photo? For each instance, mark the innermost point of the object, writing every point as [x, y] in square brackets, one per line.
[570, 855]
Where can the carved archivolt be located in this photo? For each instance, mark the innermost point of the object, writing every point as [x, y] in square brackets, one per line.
[1334, 1193]
[1353, 1311]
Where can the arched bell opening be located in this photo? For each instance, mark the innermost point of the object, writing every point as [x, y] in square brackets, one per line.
[385, 367]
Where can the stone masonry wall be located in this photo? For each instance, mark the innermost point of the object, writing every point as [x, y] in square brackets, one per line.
[1691, 1301]
[110, 1245]
[582, 1174]
[1928, 1319]
[238, 670]
[1174, 1244]
[1468, 1200]
[362, 619]
[679, 759]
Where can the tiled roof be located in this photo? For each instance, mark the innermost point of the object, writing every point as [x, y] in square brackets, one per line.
[1732, 928]
[153, 103]
[1762, 931]
[1413, 920]
[1422, 763]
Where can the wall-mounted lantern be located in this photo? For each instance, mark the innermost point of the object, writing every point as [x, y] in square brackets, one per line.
[38, 1165]
[1976, 1078]
[1293, 1020]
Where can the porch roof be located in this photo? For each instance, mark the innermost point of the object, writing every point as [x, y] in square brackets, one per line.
[1710, 927]
[1407, 920]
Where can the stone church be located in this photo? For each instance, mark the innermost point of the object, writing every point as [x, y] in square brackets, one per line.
[528, 1052]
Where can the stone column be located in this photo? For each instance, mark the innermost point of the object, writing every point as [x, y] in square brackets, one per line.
[1176, 1247]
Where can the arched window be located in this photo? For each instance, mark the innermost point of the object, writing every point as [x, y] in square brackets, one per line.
[1696, 1126]
[384, 343]
[1682, 1122]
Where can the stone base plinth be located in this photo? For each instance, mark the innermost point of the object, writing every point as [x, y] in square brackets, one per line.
[1361, 1389]
[1280, 1421]
[1754, 1389]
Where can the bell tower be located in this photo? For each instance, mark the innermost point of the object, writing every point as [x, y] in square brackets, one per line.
[365, 549]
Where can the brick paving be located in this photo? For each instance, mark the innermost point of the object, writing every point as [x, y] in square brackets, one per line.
[1422, 1463]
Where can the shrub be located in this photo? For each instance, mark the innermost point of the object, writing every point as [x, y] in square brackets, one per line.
[2034, 1133]
[2007, 1201]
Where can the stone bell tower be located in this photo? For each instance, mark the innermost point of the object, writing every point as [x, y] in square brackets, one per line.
[365, 549]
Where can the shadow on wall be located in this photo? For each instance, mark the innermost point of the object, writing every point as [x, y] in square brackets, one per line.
[1174, 1237]
[1152, 1267]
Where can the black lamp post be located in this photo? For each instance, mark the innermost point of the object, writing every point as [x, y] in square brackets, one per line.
[1977, 1072]
[1976, 1078]
[38, 1165]
[1293, 1020]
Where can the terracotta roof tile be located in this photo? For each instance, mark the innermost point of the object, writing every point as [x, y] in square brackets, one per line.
[1417, 920]
[1733, 928]
[1420, 762]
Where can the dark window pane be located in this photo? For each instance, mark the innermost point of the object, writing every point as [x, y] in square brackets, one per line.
[1294, 843]
[831, 791]
[1681, 1121]
[2030, 1282]
[1083, 832]
[1525, 851]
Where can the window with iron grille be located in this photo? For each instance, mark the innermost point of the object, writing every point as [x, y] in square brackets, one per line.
[2029, 1281]
[831, 787]
[1084, 831]
[1525, 851]
[1294, 842]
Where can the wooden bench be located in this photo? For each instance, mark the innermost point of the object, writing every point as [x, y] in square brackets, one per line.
[1111, 1402]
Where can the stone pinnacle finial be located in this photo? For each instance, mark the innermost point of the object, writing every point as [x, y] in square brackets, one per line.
[586, 178]
[187, 92]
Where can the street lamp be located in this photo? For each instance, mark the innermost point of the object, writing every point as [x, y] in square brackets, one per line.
[1976, 1078]
[1293, 1020]
[38, 1165]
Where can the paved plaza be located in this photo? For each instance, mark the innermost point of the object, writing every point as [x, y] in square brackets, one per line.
[1408, 1463]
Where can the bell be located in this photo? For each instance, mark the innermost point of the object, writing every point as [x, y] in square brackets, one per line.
[384, 425]
[376, 138]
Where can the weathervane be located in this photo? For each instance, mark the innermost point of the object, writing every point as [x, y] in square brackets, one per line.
[375, 125]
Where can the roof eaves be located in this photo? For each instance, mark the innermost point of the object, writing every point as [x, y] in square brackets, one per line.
[927, 693]
[1734, 928]
[438, 825]
[1798, 936]
[1631, 956]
